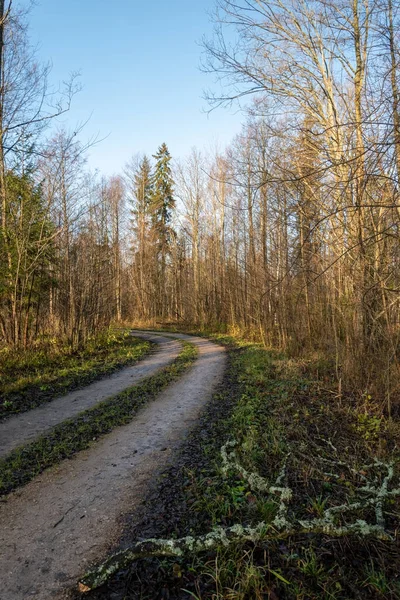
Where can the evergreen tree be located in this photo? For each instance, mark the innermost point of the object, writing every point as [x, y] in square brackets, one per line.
[162, 200]
[161, 206]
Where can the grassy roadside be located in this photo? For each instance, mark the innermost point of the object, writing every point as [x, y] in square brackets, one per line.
[33, 377]
[336, 460]
[76, 434]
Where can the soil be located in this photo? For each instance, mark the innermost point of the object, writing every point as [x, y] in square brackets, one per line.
[25, 427]
[72, 515]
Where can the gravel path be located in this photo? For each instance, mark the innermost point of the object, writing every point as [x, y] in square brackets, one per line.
[27, 426]
[72, 515]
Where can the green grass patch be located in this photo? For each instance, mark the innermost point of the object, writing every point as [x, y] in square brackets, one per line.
[76, 434]
[32, 377]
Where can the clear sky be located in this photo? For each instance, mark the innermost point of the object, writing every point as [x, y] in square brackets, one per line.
[140, 73]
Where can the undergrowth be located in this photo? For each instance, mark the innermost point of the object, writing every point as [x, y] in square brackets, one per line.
[284, 417]
[281, 415]
[32, 377]
[76, 434]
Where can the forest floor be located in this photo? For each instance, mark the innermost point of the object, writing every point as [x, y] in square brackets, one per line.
[308, 478]
[319, 472]
[71, 514]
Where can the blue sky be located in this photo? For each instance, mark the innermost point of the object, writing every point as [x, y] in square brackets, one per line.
[140, 73]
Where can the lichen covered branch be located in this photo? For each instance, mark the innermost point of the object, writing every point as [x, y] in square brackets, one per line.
[372, 494]
[219, 536]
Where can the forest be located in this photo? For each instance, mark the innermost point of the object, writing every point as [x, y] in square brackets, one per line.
[284, 246]
[290, 234]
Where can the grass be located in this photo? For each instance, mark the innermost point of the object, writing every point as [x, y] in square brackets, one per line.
[76, 434]
[32, 377]
[281, 413]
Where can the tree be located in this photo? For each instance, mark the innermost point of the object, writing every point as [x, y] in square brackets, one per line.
[139, 184]
[117, 197]
[61, 170]
[26, 106]
[162, 204]
[31, 252]
[331, 70]
[191, 187]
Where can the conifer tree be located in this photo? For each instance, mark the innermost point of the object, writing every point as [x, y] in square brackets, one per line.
[162, 205]
[162, 200]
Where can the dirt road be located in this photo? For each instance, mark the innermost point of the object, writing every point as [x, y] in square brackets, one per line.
[25, 427]
[71, 515]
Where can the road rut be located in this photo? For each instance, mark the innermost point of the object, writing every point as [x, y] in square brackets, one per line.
[27, 426]
[73, 514]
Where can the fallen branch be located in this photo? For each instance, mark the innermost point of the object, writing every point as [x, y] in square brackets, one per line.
[219, 536]
[281, 527]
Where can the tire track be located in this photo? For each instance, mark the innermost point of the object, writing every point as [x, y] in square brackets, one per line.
[25, 427]
[73, 514]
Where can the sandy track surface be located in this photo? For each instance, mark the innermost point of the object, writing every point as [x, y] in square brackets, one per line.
[73, 514]
[27, 426]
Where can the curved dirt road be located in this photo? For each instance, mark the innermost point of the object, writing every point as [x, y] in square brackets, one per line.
[71, 515]
[27, 426]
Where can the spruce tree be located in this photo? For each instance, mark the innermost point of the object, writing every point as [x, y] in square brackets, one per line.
[161, 206]
[162, 200]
